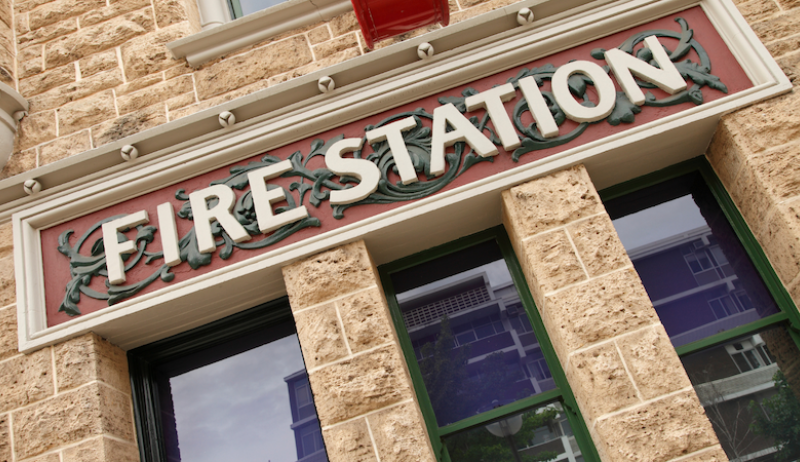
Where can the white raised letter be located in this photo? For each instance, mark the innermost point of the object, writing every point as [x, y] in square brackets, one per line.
[463, 130]
[667, 78]
[368, 173]
[114, 249]
[393, 134]
[169, 234]
[538, 106]
[492, 100]
[203, 216]
[606, 93]
[264, 198]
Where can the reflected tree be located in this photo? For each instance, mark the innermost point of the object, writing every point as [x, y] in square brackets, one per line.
[780, 419]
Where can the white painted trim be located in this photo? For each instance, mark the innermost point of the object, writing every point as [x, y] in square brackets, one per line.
[12, 108]
[444, 217]
[213, 13]
[221, 36]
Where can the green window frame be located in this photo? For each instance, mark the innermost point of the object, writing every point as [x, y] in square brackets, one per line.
[788, 315]
[562, 393]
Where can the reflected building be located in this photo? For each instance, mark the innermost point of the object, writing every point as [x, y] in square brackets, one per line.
[305, 425]
[492, 333]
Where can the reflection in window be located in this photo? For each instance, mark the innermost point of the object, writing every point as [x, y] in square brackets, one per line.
[692, 265]
[748, 396]
[540, 434]
[472, 338]
[241, 8]
[246, 400]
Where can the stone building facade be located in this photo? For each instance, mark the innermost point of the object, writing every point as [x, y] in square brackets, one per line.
[99, 73]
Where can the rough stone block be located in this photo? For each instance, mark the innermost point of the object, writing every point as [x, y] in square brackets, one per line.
[318, 35]
[714, 454]
[70, 417]
[343, 24]
[551, 201]
[325, 49]
[26, 379]
[552, 261]
[784, 46]
[365, 383]
[154, 94]
[8, 332]
[129, 124]
[5, 439]
[138, 84]
[400, 435]
[87, 358]
[769, 124]
[315, 66]
[75, 91]
[20, 162]
[59, 10]
[98, 63]
[97, 38]
[328, 275]
[116, 8]
[781, 240]
[21, 24]
[725, 154]
[757, 10]
[658, 431]
[598, 245]
[8, 286]
[600, 382]
[46, 34]
[51, 457]
[349, 442]
[790, 65]
[6, 240]
[170, 12]
[47, 80]
[778, 171]
[148, 54]
[102, 449]
[777, 27]
[86, 112]
[261, 63]
[30, 61]
[653, 363]
[752, 198]
[179, 102]
[320, 335]
[598, 310]
[366, 320]
[64, 147]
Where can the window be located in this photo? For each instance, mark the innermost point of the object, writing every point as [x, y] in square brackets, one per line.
[241, 8]
[488, 381]
[235, 389]
[732, 322]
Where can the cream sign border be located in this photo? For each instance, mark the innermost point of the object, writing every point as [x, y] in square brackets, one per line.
[239, 286]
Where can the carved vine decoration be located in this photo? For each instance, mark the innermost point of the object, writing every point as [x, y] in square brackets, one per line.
[314, 185]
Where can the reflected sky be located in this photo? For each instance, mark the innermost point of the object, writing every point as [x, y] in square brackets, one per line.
[251, 6]
[496, 271]
[660, 222]
[238, 409]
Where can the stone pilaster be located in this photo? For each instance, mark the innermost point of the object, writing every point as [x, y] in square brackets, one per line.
[362, 389]
[629, 383]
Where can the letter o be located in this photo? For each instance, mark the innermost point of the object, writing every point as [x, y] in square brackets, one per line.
[606, 93]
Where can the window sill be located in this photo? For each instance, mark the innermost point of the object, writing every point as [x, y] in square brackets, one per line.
[253, 28]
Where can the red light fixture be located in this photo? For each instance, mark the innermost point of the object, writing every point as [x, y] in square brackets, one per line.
[382, 19]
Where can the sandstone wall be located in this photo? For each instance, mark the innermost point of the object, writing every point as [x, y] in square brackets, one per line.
[755, 150]
[95, 71]
[362, 389]
[7, 42]
[629, 383]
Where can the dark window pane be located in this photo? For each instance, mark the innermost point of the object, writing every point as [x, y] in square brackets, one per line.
[754, 408]
[238, 401]
[690, 260]
[488, 366]
[537, 434]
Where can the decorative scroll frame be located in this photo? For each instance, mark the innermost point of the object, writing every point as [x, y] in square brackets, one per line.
[182, 305]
